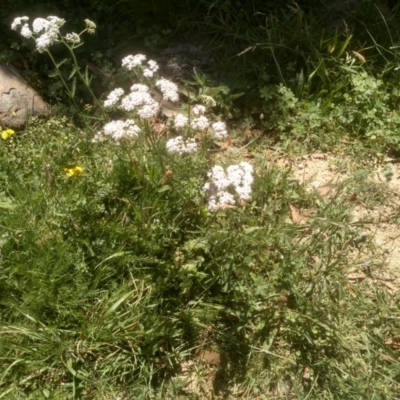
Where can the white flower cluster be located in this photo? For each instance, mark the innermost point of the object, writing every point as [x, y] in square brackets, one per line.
[73, 38]
[117, 130]
[45, 31]
[238, 177]
[168, 89]
[198, 109]
[130, 62]
[180, 121]
[151, 69]
[139, 99]
[219, 130]
[113, 97]
[180, 146]
[90, 26]
[200, 123]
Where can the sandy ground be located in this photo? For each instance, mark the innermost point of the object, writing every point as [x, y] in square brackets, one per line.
[323, 173]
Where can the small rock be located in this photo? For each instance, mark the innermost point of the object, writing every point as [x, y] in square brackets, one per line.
[300, 166]
[19, 102]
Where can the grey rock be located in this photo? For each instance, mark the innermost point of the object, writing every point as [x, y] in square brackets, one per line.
[19, 102]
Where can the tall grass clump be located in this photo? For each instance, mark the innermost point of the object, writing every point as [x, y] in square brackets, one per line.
[131, 247]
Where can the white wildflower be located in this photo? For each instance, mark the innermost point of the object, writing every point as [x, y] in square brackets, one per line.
[220, 200]
[51, 27]
[138, 87]
[118, 129]
[90, 26]
[40, 24]
[131, 129]
[198, 109]
[218, 178]
[72, 38]
[56, 22]
[113, 97]
[219, 130]
[17, 23]
[180, 121]
[44, 41]
[148, 110]
[168, 89]
[241, 177]
[200, 123]
[152, 68]
[180, 146]
[26, 32]
[115, 129]
[136, 99]
[238, 178]
[131, 62]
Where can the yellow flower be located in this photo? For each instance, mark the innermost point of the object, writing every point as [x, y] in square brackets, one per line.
[73, 171]
[7, 133]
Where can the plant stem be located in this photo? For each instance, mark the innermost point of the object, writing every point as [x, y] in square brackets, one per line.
[62, 79]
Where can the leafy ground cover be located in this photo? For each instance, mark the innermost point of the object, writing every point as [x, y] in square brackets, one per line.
[132, 267]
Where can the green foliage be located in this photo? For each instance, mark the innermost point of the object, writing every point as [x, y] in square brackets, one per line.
[110, 279]
[114, 274]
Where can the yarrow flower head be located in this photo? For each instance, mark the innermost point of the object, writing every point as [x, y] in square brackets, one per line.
[139, 100]
[198, 109]
[113, 97]
[73, 38]
[168, 89]
[44, 41]
[90, 26]
[180, 121]
[40, 24]
[151, 69]
[117, 130]
[200, 123]
[26, 31]
[180, 146]
[55, 21]
[138, 87]
[219, 130]
[45, 31]
[237, 177]
[241, 177]
[18, 22]
[135, 99]
[148, 110]
[130, 62]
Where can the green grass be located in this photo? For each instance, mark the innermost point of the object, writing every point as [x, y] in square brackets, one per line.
[110, 280]
[115, 281]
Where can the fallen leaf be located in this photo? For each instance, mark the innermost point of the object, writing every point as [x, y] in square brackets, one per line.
[359, 56]
[225, 145]
[296, 217]
[356, 276]
[324, 191]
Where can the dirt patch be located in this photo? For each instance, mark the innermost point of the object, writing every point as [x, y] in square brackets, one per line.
[376, 199]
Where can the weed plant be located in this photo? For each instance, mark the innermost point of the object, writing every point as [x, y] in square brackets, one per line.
[118, 268]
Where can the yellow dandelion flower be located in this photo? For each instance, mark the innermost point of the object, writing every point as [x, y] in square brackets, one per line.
[73, 171]
[7, 133]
